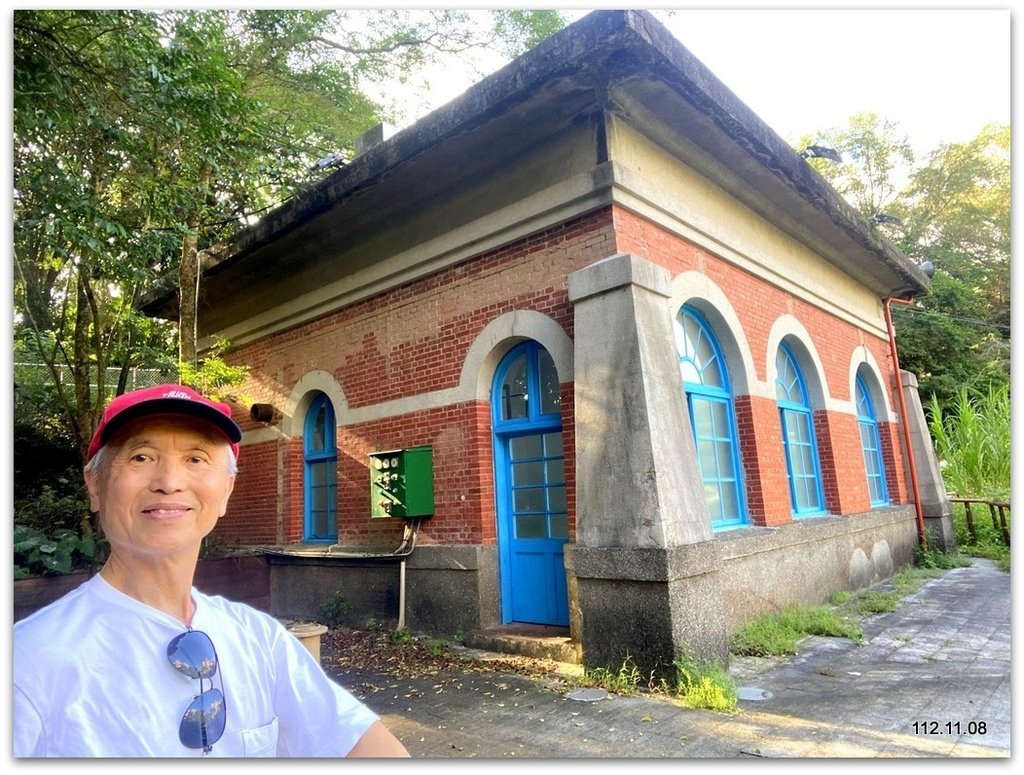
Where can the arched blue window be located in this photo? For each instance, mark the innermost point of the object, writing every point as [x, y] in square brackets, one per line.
[320, 454]
[709, 400]
[871, 445]
[798, 439]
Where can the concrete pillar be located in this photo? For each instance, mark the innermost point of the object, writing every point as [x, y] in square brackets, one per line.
[646, 567]
[935, 505]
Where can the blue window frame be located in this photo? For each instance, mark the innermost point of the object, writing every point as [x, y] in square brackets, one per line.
[530, 487]
[709, 400]
[871, 445]
[798, 441]
[320, 455]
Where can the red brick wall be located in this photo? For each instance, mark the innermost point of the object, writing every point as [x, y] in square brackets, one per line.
[758, 307]
[413, 339]
[405, 342]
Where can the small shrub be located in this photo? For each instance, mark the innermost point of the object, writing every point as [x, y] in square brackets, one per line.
[840, 597]
[401, 636]
[876, 603]
[933, 559]
[39, 553]
[333, 612]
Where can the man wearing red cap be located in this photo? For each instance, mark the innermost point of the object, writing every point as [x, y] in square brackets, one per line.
[136, 661]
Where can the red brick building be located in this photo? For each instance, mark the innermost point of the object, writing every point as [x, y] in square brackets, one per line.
[643, 343]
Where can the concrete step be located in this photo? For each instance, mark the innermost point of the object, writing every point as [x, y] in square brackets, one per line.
[528, 640]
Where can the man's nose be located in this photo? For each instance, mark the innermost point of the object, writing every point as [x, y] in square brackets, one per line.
[168, 475]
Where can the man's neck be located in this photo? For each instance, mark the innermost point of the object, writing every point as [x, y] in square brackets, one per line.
[166, 586]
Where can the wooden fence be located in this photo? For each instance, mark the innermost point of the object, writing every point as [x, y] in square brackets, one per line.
[998, 511]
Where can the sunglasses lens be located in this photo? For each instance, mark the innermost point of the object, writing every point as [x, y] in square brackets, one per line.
[203, 722]
[192, 654]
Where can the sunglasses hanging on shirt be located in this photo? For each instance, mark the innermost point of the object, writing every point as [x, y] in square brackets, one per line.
[192, 654]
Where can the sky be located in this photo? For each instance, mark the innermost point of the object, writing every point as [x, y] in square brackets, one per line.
[938, 73]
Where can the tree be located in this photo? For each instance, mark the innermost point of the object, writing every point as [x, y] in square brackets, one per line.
[958, 215]
[142, 138]
[875, 158]
[954, 211]
[76, 259]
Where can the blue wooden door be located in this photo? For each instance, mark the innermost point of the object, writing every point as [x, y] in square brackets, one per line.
[530, 488]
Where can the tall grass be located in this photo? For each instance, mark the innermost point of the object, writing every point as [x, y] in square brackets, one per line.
[972, 441]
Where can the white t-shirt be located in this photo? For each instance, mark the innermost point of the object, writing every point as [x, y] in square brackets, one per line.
[91, 678]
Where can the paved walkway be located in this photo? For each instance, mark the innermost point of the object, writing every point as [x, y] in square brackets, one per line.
[932, 679]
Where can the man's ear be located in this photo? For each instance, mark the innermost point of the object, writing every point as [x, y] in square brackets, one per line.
[227, 497]
[92, 486]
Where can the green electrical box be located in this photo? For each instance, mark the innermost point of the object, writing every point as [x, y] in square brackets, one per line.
[402, 483]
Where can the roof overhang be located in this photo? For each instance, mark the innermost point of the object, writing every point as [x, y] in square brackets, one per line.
[623, 62]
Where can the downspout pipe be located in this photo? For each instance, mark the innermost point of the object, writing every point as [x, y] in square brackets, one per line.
[904, 423]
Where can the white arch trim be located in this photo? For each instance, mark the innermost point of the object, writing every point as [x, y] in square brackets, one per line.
[691, 285]
[481, 360]
[789, 325]
[495, 340]
[861, 356]
[301, 396]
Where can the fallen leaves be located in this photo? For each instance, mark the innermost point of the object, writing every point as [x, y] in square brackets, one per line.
[376, 653]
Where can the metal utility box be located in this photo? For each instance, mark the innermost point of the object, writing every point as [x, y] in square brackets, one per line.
[402, 483]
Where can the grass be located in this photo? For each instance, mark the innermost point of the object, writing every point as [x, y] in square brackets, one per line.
[625, 680]
[697, 683]
[779, 633]
[971, 434]
[705, 685]
[972, 441]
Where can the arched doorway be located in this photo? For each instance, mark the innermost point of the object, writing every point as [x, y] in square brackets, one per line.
[530, 487]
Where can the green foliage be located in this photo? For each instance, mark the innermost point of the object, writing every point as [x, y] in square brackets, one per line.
[874, 154]
[958, 215]
[49, 508]
[144, 136]
[944, 340]
[334, 612]
[706, 685]
[985, 540]
[876, 602]
[213, 376]
[41, 553]
[972, 441]
[908, 581]
[437, 646]
[779, 633]
[935, 560]
[401, 636]
[953, 208]
[520, 30]
[624, 680]
[699, 684]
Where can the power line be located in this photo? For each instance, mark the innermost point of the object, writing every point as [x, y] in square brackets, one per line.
[922, 310]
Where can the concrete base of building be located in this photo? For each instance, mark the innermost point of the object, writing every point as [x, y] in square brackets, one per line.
[644, 608]
[807, 561]
[651, 604]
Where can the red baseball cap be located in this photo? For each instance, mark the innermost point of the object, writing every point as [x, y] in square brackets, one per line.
[163, 399]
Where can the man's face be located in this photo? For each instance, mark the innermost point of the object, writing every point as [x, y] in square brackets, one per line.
[166, 484]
